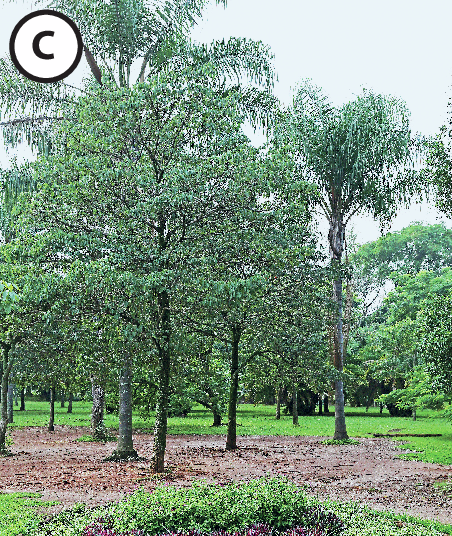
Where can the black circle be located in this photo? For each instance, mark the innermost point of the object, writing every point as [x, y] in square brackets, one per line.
[33, 15]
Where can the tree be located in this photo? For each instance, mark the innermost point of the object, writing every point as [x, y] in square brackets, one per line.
[435, 330]
[164, 164]
[357, 156]
[414, 248]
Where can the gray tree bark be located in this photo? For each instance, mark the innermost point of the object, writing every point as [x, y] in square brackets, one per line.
[98, 431]
[10, 400]
[231, 439]
[336, 239]
[5, 370]
[161, 410]
[124, 449]
[51, 426]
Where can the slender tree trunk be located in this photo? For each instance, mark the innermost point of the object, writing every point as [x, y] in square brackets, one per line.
[381, 407]
[278, 403]
[336, 239]
[320, 403]
[98, 431]
[231, 439]
[295, 403]
[62, 398]
[69, 405]
[51, 427]
[16, 401]
[161, 410]
[6, 369]
[22, 400]
[124, 449]
[326, 409]
[10, 400]
[413, 413]
[216, 418]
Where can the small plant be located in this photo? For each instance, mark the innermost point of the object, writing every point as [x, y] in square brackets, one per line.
[91, 439]
[104, 527]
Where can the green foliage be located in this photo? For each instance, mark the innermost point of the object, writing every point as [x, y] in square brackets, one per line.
[355, 154]
[359, 520]
[17, 512]
[363, 521]
[413, 249]
[435, 330]
[209, 507]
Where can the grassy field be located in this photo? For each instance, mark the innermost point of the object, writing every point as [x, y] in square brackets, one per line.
[260, 420]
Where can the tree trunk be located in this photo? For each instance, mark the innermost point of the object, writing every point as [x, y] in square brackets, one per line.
[216, 418]
[381, 407]
[278, 403]
[320, 403]
[69, 405]
[231, 439]
[326, 409]
[51, 427]
[16, 401]
[124, 449]
[22, 400]
[414, 414]
[98, 431]
[10, 400]
[161, 410]
[6, 369]
[62, 398]
[336, 239]
[294, 404]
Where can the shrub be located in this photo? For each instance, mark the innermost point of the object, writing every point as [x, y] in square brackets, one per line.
[209, 508]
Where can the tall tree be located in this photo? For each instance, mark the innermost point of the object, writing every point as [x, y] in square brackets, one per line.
[358, 157]
[136, 182]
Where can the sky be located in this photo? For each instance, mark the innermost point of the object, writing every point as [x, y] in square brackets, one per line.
[395, 47]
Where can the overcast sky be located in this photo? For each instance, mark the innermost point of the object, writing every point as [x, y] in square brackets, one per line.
[397, 47]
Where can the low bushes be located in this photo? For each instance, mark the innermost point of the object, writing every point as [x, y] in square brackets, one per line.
[263, 507]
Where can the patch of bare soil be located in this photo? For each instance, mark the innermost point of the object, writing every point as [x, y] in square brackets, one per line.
[62, 469]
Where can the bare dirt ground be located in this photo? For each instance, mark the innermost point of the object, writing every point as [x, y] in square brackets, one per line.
[63, 469]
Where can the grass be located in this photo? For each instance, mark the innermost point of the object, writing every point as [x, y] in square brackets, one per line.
[260, 420]
[18, 512]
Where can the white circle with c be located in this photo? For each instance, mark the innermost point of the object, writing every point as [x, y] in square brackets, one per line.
[46, 46]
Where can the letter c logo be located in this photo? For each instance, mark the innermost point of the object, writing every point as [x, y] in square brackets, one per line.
[61, 54]
[37, 40]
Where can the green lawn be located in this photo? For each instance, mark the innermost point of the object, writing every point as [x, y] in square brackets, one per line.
[17, 512]
[260, 420]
